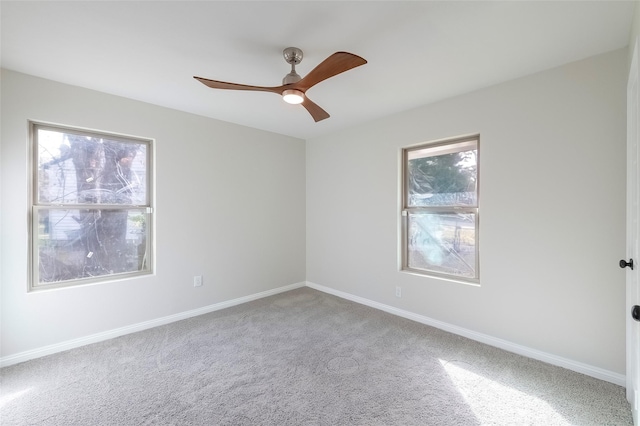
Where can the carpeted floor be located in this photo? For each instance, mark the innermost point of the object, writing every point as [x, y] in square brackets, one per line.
[301, 358]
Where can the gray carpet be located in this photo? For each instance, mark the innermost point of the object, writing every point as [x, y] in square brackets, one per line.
[301, 358]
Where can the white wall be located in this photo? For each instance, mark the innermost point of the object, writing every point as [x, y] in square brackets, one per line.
[230, 205]
[552, 200]
[635, 31]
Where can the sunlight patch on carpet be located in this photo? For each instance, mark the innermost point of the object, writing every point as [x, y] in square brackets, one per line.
[490, 400]
[10, 397]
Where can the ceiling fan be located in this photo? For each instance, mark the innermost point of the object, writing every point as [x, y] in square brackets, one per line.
[293, 86]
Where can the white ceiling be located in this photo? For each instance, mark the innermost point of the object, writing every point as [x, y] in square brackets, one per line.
[418, 51]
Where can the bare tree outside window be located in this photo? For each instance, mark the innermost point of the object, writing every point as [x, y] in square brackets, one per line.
[92, 208]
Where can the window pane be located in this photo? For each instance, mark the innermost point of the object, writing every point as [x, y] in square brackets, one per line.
[79, 169]
[85, 243]
[442, 242]
[438, 177]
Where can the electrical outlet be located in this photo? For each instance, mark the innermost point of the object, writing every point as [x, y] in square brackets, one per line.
[398, 291]
[197, 281]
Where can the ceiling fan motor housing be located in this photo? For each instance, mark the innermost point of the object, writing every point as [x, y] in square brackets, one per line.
[292, 77]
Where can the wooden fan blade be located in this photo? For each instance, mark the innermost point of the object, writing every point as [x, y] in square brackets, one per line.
[214, 84]
[316, 112]
[335, 64]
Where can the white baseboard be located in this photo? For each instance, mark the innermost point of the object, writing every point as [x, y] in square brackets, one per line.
[589, 370]
[110, 334]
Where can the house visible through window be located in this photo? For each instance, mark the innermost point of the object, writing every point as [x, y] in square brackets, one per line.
[440, 209]
[91, 206]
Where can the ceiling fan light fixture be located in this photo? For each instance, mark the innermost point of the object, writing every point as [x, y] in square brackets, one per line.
[293, 96]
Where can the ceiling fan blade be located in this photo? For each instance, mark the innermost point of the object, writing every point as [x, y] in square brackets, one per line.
[316, 112]
[335, 64]
[214, 84]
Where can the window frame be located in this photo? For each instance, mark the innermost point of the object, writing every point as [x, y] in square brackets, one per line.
[36, 206]
[406, 209]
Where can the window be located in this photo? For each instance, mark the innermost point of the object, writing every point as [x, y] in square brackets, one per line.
[440, 209]
[91, 206]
